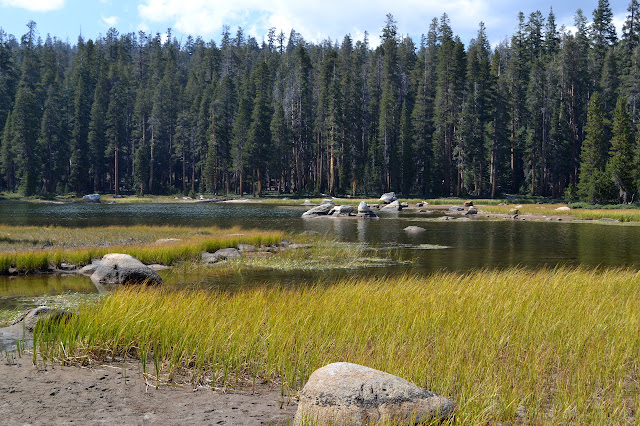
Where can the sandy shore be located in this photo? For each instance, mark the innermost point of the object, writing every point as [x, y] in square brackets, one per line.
[111, 394]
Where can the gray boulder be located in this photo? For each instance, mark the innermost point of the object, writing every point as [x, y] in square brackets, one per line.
[414, 229]
[349, 394]
[394, 206]
[364, 210]
[92, 198]
[30, 318]
[341, 211]
[321, 210]
[454, 209]
[118, 268]
[472, 210]
[388, 197]
[222, 254]
[246, 247]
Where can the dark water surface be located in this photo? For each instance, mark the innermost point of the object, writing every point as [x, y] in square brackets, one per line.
[471, 244]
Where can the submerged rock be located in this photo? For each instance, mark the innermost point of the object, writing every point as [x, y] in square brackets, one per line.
[388, 197]
[118, 268]
[414, 229]
[350, 394]
[30, 318]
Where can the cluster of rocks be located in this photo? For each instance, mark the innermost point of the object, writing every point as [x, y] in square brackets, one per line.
[329, 209]
[466, 209]
[350, 394]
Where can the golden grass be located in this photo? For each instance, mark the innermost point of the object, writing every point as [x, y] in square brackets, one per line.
[138, 241]
[556, 346]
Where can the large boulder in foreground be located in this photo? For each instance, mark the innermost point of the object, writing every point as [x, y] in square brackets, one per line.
[321, 210]
[350, 394]
[30, 318]
[118, 268]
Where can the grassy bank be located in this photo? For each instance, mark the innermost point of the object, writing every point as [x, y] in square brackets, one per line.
[552, 346]
[80, 246]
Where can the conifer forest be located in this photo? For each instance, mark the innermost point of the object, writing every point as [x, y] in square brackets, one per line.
[547, 112]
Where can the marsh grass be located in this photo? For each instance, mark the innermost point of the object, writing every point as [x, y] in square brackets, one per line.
[551, 346]
[81, 246]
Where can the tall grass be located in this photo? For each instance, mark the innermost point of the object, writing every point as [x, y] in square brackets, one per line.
[188, 247]
[551, 346]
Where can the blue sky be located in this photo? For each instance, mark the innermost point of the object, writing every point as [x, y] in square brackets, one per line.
[315, 20]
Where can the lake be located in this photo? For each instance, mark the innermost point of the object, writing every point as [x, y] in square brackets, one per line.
[470, 244]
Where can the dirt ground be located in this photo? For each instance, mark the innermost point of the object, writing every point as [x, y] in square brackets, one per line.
[111, 394]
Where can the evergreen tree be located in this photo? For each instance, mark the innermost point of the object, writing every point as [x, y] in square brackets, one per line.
[621, 165]
[259, 137]
[593, 158]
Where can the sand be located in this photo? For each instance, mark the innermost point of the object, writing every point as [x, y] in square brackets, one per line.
[111, 394]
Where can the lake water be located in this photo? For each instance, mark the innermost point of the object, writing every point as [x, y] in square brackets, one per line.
[470, 244]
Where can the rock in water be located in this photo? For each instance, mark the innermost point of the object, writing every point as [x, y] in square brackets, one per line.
[321, 210]
[388, 197]
[118, 268]
[33, 316]
[364, 210]
[394, 206]
[92, 198]
[350, 394]
[342, 211]
[414, 229]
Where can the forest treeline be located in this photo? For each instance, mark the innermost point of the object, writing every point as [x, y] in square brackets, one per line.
[547, 112]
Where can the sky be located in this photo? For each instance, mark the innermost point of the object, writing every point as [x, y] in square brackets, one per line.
[315, 20]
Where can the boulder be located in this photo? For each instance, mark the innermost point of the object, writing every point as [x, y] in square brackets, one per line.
[563, 209]
[404, 205]
[414, 229]
[468, 203]
[349, 394]
[394, 206]
[388, 197]
[118, 268]
[92, 198]
[30, 318]
[321, 210]
[364, 210]
[421, 204]
[222, 254]
[472, 210]
[455, 209]
[341, 210]
[89, 269]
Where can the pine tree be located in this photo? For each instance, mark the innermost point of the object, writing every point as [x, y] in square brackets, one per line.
[594, 154]
[259, 137]
[7, 155]
[621, 165]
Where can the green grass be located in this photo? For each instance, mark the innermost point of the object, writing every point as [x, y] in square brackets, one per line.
[562, 344]
[139, 241]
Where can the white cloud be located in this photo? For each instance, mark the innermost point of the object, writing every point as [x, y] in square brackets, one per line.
[313, 19]
[34, 5]
[110, 21]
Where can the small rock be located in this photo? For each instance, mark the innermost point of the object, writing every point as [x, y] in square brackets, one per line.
[414, 229]
[419, 204]
[388, 197]
[563, 209]
[349, 394]
[307, 203]
[167, 240]
[391, 207]
[246, 247]
[456, 209]
[30, 318]
[404, 205]
[222, 254]
[468, 203]
[472, 210]
[519, 206]
[92, 198]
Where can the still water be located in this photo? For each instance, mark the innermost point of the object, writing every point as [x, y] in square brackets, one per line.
[470, 244]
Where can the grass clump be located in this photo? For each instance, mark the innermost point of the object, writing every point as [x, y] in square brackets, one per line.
[517, 346]
[187, 245]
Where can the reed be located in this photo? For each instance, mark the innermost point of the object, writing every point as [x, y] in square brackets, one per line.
[515, 346]
[140, 243]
